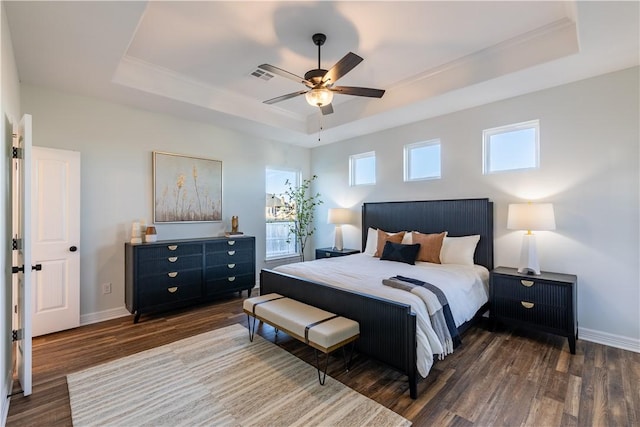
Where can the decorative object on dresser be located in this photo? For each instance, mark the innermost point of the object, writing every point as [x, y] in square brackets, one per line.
[234, 228]
[338, 216]
[546, 302]
[332, 252]
[151, 235]
[174, 273]
[530, 216]
[186, 189]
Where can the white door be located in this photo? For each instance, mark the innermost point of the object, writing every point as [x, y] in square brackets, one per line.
[55, 237]
[21, 201]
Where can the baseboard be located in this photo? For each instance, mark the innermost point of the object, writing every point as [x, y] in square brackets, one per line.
[611, 340]
[100, 316]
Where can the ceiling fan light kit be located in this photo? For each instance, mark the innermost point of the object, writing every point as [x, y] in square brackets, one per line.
[320, 82]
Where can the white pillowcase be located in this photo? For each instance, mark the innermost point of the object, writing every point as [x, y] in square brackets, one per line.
[459, 250]
[372, 242]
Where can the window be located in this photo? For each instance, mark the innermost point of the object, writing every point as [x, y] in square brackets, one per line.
[277, 225]
[422, 160]
[362, 169]
[511, 147]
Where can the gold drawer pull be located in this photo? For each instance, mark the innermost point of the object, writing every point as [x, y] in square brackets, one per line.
[527, 283]
[231, 252]
[231, 242]
[231, 279]
[172, 258]
[231, 265]
[172, 274]
[172, 247]
[172, 289]
[526, 304]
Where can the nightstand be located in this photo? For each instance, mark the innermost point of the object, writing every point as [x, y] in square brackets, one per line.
[545, 302]
[331, 253]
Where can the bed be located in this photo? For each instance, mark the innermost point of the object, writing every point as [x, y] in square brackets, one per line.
[390, 325]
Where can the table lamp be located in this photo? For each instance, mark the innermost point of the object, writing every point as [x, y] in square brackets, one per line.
[338, 216]
[530, 216]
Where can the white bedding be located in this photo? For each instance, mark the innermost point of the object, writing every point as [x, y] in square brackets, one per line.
[465, 286]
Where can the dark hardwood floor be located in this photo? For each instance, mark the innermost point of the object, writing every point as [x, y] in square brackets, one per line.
[502, 377]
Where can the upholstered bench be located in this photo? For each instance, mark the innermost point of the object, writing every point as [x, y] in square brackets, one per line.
[318, 328]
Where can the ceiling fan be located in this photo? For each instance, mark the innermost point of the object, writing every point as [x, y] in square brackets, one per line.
[320, 82]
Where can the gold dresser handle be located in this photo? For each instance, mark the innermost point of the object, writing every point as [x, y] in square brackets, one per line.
[172, 258]
[231, 252]
[231, 242]
[172, 247]
[527, 283]
[172, 274]
[231, 265]
[231, 279]
[172, 289]
[526, 304]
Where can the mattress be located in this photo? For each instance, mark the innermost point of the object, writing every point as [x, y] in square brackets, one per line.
[465, 286]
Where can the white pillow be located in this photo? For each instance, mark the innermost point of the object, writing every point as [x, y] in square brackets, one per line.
[459, 250]
[407, 239]
[372, 242]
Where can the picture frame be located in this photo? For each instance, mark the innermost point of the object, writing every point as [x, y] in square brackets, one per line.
[186, 188]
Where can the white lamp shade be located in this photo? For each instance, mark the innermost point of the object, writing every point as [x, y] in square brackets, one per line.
[339, 216]
[531, 216]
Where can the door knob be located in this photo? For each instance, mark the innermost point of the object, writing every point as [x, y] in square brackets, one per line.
[73, 248]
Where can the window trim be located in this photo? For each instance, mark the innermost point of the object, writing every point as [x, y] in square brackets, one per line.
[407, 159]
[486, 150]
[352, 168]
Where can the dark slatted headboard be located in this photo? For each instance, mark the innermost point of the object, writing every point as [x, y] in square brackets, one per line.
[461, 217]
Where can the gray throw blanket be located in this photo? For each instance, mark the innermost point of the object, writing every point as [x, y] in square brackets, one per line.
[437, 307]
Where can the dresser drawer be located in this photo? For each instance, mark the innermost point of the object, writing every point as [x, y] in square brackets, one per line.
[158, 294]
[170, 278]
[167, 250]
[172, 263]
[531, 290]
[552, 317]
[226, 270]
[230, 284]
[229, 256]
[230, 244]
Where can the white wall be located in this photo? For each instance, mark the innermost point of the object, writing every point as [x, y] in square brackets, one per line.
[10, 115]
[589, 171]
[116, 145]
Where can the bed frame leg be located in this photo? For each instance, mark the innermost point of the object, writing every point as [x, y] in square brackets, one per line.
[413, 386]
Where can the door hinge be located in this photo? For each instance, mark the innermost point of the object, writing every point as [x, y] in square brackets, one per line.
[16, 153]
[16, 244]
[16, 335]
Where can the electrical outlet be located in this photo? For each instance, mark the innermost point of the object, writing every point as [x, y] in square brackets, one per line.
[106, 288]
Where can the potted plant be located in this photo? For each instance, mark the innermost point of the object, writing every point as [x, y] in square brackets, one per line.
[300, 207]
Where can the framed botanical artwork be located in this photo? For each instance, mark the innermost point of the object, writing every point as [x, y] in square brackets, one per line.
[186, 189]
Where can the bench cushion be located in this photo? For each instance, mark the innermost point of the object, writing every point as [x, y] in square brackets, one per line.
[294, 316]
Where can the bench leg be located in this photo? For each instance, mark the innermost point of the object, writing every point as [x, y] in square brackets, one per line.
[251, 322]
[347, 363]
[326, 363]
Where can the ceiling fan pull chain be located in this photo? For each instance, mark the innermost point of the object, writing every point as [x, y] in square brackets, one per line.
[320, 130]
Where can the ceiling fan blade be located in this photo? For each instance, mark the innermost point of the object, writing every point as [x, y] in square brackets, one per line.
[346, 64]
[284, 97]
[358, 91]
[327, 109]
[284, 73]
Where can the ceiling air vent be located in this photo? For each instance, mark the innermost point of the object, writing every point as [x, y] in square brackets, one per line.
[261, 74]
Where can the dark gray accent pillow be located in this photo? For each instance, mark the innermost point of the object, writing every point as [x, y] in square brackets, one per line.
[399, 252]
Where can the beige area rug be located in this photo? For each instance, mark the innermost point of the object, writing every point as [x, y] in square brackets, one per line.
[218, 378]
